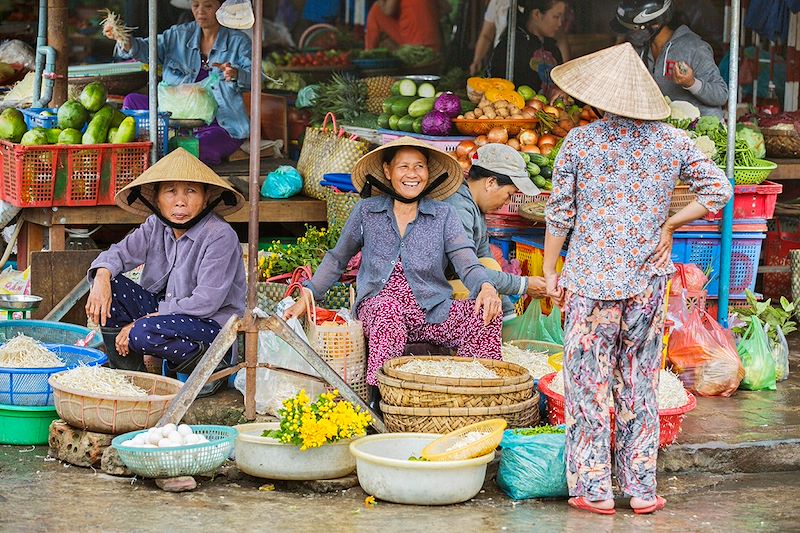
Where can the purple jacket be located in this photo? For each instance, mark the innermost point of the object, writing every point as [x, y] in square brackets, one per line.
[201, 274]
[435, 237]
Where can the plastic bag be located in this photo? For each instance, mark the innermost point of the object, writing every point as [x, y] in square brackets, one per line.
[272, 386]
[533, 466]
[704, 355]
[192, 101]
[283, 182]
[688, 276]
[535, 326]
[236, 14]
[15, 52]
[15, 281]
[759, 367]
[780, 353]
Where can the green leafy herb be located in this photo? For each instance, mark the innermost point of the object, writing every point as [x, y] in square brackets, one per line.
[540, 430]
[414, 458]
[775, 316]
[272, 433]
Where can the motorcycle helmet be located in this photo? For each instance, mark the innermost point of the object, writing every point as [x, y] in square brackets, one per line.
[641, 14]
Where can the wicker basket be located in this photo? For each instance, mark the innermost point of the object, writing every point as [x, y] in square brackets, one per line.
[443, 420]
[116, 414]
[414, 394]
[475, 127]
[781, 143]
[510, 373]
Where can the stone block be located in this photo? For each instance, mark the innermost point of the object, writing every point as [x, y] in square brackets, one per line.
[76, 446]
[111, 463]
[177, 484]
[322, 486]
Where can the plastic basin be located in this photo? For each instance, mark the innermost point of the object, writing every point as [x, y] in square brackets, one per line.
[271, 459]
[385, 472]
[24, 426]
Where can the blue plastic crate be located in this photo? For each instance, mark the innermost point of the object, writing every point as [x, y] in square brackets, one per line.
[35, 119]
[703, 249]
[507, 246]
[30, 387]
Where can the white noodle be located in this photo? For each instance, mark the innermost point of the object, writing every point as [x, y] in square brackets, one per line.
[25, 352]
[99, 380]
[466, 440]
[532, 360]
[671, 393]
[120, 32]
[446, 368]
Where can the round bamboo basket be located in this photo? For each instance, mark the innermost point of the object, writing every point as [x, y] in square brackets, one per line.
[446, 419]
[510, 374]
[402, 393]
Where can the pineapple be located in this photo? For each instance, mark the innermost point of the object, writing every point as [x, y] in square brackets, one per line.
[378, 90]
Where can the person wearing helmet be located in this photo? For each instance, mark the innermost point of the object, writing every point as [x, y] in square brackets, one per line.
[679, 60]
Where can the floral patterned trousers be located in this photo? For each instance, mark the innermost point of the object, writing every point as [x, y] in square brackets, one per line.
[613, 344]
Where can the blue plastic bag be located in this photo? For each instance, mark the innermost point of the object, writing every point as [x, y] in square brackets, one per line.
[283, 182]
[533, 466]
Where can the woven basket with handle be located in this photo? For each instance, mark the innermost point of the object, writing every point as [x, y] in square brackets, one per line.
[446, 419]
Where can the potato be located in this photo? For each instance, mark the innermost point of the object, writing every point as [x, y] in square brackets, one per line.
[490, 114]
[500, 104]
[503, 112]
[483, 117]
[478, 112]
[484, 102]
[513, 109]
[517, 116]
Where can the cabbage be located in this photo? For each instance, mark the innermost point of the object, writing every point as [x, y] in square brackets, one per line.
[436, 123]
[683, 110]
[753, 138]
[706, 145]
[449, 104]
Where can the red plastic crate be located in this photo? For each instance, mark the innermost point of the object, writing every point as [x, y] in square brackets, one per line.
[69, 175]
[753, 201]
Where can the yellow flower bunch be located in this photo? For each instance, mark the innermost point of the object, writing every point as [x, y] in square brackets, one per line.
[328, 419]
[309, 250]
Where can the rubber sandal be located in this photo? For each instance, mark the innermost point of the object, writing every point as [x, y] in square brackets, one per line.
[580, 503]
[660, 503]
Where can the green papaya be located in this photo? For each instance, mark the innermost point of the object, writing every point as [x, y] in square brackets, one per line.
[417, 125]
[126, 132]
[69, 136]
[406, 123]
[73, 115]
[383, 121]
[52, 135]
[111, 133]
[34, 137]
[97, 130]
[117, 119]
[12, 125]
[93, 96]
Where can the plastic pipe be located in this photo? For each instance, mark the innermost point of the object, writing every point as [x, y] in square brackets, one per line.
[41, 40]
[727, 213]
[511, 31]
[49, 53]
[152, 75]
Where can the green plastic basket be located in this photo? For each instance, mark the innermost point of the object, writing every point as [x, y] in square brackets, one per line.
[24, 425]
[754, 175]
[180, 461]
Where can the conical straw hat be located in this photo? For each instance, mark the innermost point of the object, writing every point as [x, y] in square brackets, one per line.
[615, 80]
[439, 162]
[179, 165]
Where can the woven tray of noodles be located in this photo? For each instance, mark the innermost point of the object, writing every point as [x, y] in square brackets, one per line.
[507, 373]
[533, 211]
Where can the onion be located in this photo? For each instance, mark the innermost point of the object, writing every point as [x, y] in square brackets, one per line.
[527, 113]
[530, 149]
[480, 140]
[566, 124]
[497, 135]
[528, 137]
[546, 148]
[536, 104]
[513, 143]
[550, 110]
[547, 139]
[464, 148]
[583, 123]
[465, 164]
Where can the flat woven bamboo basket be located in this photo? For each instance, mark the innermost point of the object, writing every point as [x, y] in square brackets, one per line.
[443, 420]
[510, 373]
[414, 394]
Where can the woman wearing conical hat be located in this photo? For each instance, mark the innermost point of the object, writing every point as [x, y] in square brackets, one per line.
[406, 236]
[193, 278]
[612, 184]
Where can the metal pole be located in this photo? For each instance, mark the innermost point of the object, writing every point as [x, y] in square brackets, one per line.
[251, 333]
[152, 78]
[57, 38]
[727, 213]
[511, 32]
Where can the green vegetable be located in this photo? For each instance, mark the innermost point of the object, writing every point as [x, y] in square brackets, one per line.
[393, 120]
[69, 136]
[539, 181]
[97, 130]
[414, 458]
[754, 139]
[406, 123]
[383, 120]
[540, 430]
[395, 89]
[34, 137]
[426, 90]
[417, 125]
[111, 133]
[533, 169]
[769, 314]
[540, 160]
[12, 125]
[407, 88]
[401, 105]
[415, 55]
[708, 124]
[526, 156]
[52, 135]
[546, 172]
[73, 115]
[387, 104]
[117, 119]
[126, 132]
[421, 107]
[93, 96]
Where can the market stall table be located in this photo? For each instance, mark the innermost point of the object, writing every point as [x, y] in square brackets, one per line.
[788, 169]
[296, 209]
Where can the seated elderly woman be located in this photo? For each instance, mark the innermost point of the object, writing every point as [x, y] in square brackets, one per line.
[193, 278]
[407, 236]
[187, 53]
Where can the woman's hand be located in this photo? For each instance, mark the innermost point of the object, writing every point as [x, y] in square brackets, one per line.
[537, 287]
[553, 290]
[663, 253]
[299, 308]
[228, 72]
[98, 306]
[490, 302]
[121, 342]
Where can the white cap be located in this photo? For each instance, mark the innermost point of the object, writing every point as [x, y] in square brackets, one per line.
[181, 4]
[503, 159]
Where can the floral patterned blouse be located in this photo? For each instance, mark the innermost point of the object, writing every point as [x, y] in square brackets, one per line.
[612, 185]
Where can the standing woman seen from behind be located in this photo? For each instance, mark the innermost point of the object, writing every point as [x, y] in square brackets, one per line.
[612, 185]
[537, 51]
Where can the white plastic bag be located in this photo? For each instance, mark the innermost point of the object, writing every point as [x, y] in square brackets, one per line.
[780, 354]
[236, 14]
[272, 386]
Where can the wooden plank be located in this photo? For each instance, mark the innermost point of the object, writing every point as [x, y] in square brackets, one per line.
[67, 302]
[297, 209]
[56, 274]
[788, 169]
[31, 239]
[57, 237]
[199, 376]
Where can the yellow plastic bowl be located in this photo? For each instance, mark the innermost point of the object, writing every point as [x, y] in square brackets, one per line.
[556, 361]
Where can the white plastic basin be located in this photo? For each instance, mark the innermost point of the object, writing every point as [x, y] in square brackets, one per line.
[269, 458]
[385, 472]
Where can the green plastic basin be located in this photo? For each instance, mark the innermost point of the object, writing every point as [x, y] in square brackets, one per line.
[23, 425]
